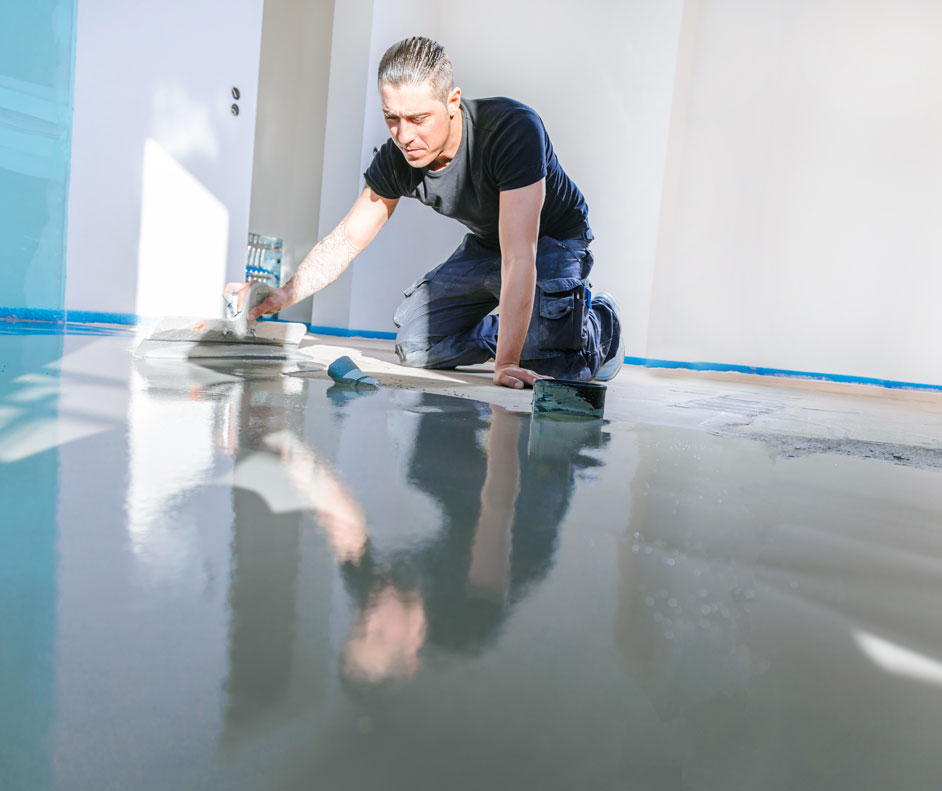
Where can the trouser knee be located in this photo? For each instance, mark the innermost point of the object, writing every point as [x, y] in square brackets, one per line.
[413, 353]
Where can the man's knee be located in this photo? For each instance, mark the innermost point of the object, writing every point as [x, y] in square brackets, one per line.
[413, 353]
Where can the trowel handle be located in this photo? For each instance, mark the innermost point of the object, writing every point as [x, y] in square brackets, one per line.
[242, 297]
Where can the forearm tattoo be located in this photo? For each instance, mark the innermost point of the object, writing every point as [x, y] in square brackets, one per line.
[323, 265]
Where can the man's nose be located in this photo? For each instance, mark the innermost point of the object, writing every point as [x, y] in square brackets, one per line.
[406, 133]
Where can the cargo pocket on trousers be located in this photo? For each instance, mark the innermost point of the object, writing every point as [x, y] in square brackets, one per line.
[400, 315]
[562, 310]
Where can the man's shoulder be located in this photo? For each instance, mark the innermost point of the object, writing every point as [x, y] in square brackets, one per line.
[496, 111]
[389, 174]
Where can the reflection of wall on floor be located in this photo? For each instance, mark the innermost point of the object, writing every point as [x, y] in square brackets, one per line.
[280, 593]
[142, 536]
[28, 564]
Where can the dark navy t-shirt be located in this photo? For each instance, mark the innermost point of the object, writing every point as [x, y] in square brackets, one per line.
[504, 146]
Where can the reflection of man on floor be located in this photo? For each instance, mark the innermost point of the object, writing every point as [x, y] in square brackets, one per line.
[488, 163]
[498, 536]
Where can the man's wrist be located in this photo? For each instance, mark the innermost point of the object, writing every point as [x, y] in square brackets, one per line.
[501, 363]
[289, 292]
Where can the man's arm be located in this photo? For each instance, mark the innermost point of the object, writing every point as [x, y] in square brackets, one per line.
[490, 552]
[331, 255]
[519, 228]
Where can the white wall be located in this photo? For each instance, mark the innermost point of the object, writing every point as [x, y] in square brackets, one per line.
[416, 239]
[289, 129]
[161, 170]
[802, 228]
[365, 297]
[343, 136]
[599, 73]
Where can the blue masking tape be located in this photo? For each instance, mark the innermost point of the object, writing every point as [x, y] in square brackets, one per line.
[784, 372]
[343, 333]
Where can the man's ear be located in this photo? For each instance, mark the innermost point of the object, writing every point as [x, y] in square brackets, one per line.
[454, 101]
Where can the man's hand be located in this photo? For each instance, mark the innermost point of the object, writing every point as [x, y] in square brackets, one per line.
[516, 377]
[277, 299]
[328, 258]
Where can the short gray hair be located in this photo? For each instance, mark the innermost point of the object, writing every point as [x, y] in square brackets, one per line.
[417, 60]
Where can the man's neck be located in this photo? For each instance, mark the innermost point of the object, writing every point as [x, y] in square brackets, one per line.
[452, 144]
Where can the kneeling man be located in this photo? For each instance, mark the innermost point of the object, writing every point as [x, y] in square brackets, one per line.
[489, 164]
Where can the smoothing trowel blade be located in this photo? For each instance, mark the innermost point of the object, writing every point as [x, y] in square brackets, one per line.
[183, 328]
[210, 337]
[191, 350]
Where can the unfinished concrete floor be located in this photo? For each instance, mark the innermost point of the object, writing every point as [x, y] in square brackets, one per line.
[238, 576]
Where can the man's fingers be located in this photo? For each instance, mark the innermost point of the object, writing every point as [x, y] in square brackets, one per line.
[506, 380]
[242, 291]
[267, 306]
[517, 377]
[528, 377]
[237, 290]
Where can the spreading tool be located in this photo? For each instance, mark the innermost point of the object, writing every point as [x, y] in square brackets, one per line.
[234, 337]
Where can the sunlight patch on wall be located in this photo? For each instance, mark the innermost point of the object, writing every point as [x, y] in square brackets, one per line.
[183, 243]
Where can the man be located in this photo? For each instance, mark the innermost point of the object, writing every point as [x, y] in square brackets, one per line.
[489, 164]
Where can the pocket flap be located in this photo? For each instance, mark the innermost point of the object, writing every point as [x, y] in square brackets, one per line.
[426, 278]
[554, 306]
[411, 289]
[559, 285]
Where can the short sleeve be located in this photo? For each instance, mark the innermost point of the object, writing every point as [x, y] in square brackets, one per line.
[382, 176]
[518, 150]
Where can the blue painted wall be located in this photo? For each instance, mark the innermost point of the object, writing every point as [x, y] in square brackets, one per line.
[37, 46]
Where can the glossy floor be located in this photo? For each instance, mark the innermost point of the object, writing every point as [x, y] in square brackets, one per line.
[225, 576]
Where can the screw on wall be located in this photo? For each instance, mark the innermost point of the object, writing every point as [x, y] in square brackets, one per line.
[236, 93]
[235, 109]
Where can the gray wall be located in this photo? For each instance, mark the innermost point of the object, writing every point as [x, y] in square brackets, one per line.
[289, 128]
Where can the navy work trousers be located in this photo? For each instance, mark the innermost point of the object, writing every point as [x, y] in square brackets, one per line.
[444, 319]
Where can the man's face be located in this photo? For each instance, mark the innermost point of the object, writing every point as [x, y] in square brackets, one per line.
[419, 123]
[385, 642]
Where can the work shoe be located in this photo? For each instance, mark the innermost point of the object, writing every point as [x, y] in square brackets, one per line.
[612, 364]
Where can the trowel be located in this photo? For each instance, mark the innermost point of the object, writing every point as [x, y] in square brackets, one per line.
[235, 337]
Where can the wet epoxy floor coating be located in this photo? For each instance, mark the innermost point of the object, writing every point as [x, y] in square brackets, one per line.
[223, 576]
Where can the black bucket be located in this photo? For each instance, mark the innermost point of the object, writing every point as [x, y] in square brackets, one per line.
[565, 397]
